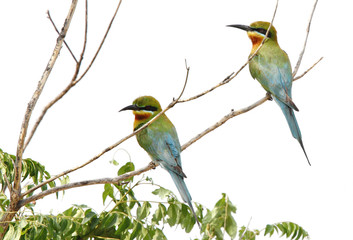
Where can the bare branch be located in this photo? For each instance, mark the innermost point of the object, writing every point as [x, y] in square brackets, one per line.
[224, 120]
[233, 75]
[74, 79]
[306, 39]
[304, 73]
[67, 46]
[112, 146]
[116, 180]
[36, 95]
[101, 44]
[16, 193]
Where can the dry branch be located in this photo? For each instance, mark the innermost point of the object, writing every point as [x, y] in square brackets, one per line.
[56, 30]
[16, 188]
[116, 180]
[75, 79]
[306, 40]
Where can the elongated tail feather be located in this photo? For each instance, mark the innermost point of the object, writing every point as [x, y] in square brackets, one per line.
[293, 124]
[184, 192]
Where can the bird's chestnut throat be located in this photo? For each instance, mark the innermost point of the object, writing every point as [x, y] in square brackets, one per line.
[139, 116]
[256, 40]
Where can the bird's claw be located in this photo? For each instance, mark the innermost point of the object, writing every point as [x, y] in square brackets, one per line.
[268, 94]
[153, 165]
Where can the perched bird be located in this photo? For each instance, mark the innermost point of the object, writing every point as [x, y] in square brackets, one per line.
[160, 141]
[272, 68]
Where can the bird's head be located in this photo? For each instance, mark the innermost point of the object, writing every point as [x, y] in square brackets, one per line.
[144, 108]
[257, 31]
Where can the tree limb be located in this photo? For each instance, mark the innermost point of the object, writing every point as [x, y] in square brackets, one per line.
[75, 79]
[56, 30]
[116, 180]
[306, 39]
[16, 189]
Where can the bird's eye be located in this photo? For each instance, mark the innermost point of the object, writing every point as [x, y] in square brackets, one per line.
[149, 108]
[263, 31]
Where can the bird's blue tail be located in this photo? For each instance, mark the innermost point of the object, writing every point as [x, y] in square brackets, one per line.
[293, 124]
[184, 192]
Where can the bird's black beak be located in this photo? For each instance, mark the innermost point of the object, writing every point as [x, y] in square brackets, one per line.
[242, 27]
[130, 107]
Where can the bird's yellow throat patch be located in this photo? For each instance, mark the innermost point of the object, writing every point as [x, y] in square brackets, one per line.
[256, 40]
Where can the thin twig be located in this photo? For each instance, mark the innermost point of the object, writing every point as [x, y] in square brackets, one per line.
[304, 73]
[67, 46]
[114, 145]
[224, 120]
[101, 44]
[74, 79]
[233, 75]
[306, 39]
[246, 229]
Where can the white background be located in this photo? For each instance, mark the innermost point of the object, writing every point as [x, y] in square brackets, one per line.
[253, 157]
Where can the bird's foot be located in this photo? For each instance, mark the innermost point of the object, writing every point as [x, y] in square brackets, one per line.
[153, 165]
[269, 96]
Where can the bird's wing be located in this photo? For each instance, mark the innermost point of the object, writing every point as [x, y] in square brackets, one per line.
[275, 77]
[165, 149]
[173, 153]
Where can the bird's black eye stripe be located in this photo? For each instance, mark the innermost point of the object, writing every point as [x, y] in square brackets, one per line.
[263, 31]
[149, 108]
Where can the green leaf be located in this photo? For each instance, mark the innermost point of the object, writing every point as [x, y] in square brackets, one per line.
[144, 211]
[124, 225]
[69, 211]
[111, 220]
[65, 180]
[162, 192]
[172, 214]
[88, 216]
[108, 191]
[136, 231]
[10, 233]
[42, 234]
[63, 224]
[159, 235]
[71, 230]
[300, 233]
[231, 226]
[159, 213]
[114, 162]
[269, 229]
[128, 167]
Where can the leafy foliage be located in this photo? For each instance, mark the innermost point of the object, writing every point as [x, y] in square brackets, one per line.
[32, 171]
[129, 218]
[288, 229]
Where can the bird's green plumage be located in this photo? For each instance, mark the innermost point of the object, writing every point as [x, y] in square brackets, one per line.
[160, 140]
[272, 69]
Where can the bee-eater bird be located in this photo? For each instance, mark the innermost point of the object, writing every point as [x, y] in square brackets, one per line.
[160, 141]
[272, 68]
